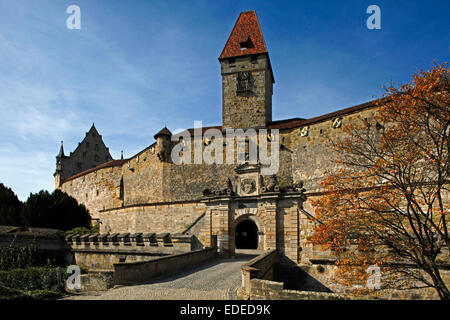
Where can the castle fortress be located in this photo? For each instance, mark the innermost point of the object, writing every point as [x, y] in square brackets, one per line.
[235, 202]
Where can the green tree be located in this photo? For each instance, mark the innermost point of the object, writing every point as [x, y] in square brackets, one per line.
[10, 207]
[55, 210]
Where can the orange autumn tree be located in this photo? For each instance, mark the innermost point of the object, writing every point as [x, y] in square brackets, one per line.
[388, 205]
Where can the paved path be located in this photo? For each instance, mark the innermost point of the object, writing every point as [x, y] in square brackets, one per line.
[217, 280]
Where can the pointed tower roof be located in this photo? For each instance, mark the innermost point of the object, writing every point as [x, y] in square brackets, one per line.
[61, 151]
[93, 129]
[246, 37]
[163, 132]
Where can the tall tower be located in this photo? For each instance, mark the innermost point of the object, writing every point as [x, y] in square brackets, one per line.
[247, 77]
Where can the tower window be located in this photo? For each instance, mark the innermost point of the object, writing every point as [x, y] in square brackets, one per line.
[246, 45]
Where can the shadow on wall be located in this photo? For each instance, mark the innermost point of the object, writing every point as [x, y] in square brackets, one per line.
[295, 278]
[196, 243]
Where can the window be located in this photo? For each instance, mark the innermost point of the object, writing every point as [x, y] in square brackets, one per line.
[254, 59]
[97, 159]
[232, 62]
[87, 144]
[96, 147]
[84, 155]
[79, 165]
[247, 44]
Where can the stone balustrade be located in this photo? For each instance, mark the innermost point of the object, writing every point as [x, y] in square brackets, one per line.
[130, 240]
[101, 251]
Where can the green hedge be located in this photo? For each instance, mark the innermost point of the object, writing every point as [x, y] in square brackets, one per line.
[17, 257]
[32, 283]
[33, 278]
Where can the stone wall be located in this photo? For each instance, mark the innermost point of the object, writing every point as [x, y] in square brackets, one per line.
[271, 290]
[143, 178]
[158, 218]
[251, 109]
[261, 267]
[325, 273]
[98, 190]
[311, 154]
[49, 243]
[139, 272]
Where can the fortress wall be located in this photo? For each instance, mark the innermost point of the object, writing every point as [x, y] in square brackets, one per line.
[142, 177]
[97, 190]
[311, 156]
[187, 181]
[163, 218]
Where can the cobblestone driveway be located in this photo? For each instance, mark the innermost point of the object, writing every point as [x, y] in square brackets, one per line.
[217, 280]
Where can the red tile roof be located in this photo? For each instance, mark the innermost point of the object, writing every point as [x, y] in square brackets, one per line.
[298, 122]
[113, 163]
[246, 27]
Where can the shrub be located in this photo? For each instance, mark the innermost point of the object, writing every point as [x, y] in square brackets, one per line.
[20, 257]
[32, 283]
[11, 294]
[84, 230]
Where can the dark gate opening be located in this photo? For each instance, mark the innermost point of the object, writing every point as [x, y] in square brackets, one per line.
[246, 235]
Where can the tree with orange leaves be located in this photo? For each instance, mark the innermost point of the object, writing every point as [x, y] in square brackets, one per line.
[388, 205]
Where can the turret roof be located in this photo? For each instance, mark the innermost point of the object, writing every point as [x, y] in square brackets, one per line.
[163, 132]
[61, 151]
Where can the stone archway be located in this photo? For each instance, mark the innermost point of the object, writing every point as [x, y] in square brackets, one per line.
[257, 221]
[246, 235]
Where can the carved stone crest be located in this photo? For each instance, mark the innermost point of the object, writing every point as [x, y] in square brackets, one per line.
[248, 186]
[244, 82]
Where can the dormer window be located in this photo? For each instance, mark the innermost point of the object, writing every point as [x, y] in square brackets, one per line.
[246, 44]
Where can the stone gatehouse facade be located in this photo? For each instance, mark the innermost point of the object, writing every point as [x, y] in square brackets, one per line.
[236, 202]
[149, 193]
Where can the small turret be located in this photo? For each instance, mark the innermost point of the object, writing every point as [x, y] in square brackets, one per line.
[163, 144]
[59, 165]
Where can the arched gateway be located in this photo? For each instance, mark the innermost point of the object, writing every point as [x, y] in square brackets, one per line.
[246, 235]
[262, 217]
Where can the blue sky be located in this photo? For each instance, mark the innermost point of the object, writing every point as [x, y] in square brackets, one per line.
[136, 66]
